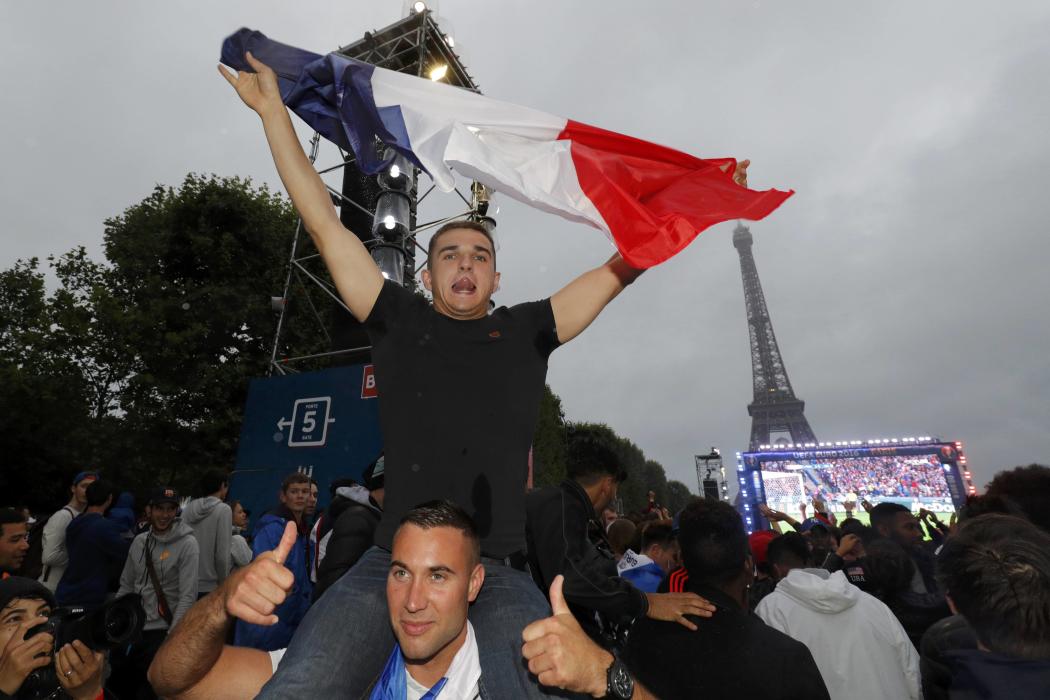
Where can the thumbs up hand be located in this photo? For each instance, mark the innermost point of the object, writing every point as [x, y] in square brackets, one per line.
[561, 654]
[252, 593]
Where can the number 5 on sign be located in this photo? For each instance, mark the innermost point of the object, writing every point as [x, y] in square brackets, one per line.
[309, 423]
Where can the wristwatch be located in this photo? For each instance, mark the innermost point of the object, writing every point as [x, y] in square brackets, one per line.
[618, 682]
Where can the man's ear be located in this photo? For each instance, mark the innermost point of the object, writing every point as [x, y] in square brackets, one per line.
[477, 578]
[427, 280]
[495, 283]
[951, 604]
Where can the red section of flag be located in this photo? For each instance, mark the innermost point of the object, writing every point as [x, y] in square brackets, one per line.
[654, 199]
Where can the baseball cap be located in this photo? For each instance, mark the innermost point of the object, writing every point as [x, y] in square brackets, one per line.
[759, 542]
[164, 494]
[810, 523]
[85, 475]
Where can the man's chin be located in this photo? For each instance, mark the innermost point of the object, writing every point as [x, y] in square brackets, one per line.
[416, 650]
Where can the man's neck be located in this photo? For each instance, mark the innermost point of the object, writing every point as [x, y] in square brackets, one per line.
[95, 509]
[76, 506]
[429, 672]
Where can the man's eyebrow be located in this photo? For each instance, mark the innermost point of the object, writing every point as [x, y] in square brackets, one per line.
[444, 249]
[9, 611]
[437, 568]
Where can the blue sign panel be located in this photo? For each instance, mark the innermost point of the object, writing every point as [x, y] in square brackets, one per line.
[324, 424]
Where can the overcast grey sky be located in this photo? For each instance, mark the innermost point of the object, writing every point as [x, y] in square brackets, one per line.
[906, 279]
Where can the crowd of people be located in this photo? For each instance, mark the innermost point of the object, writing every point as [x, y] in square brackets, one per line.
[670, 608]
[436, 575]
[870, 478]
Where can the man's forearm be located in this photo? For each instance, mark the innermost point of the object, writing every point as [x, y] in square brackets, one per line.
[355, 274]
[192, 647]
[301, 181]
[580, 302]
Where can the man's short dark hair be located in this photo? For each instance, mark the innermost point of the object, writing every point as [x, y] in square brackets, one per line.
[852, 526]
[658, 533]
[713, 540]
[10, 516]
[212, 481]
[433, 514]
[996, 569]
[461, 223]
[1029, 488]
[590, 456]
[789, 550]
[98, 492]
[294, 478]
[884, 513]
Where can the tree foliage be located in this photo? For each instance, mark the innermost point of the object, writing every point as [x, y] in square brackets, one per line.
[140, 365]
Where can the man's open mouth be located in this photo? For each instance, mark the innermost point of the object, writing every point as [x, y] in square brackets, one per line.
[464, 285]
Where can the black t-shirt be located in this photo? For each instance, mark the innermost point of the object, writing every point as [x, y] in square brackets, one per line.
[458, 404]
[733, 655]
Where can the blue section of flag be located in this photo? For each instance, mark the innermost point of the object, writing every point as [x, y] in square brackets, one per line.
[332, 93]
[392, 684]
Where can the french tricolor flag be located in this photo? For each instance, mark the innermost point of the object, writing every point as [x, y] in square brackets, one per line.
[652, 200]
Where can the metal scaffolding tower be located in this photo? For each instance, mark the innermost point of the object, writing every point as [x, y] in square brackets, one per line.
[775, 409]
[380, 209]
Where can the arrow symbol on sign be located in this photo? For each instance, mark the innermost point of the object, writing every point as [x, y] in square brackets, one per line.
[283, 423]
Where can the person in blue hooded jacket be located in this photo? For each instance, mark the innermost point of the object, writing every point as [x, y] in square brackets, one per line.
[97, 552]
[123, 513]
[294, 495]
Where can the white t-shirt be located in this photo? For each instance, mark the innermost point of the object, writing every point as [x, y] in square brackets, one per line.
[464, 674]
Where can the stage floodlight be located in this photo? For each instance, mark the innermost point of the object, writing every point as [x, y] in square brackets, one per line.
[419, 6]
[438, 72]
[450, 41]
[391, 262]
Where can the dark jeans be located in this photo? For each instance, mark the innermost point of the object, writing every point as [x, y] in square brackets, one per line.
[343, 642]
[130, 665]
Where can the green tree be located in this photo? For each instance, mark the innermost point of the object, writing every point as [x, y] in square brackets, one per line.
[196, 268]
[45, 403]
[678, 496]
[140, 366]
[548, 444]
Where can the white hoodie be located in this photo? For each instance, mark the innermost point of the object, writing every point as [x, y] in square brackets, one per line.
[859, 645]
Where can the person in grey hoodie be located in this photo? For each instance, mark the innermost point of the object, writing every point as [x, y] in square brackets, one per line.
[212, 523]
[169, 544]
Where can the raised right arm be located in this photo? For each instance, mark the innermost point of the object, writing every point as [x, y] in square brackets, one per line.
[355, 274]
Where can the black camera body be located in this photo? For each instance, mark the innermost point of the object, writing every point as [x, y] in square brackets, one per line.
[115, 624]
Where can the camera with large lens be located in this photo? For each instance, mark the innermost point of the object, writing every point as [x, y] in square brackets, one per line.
[114, 624]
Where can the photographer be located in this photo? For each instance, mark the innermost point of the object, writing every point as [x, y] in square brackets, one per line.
[25, 604]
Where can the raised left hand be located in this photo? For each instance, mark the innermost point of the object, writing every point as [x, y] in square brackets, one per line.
[561, 654]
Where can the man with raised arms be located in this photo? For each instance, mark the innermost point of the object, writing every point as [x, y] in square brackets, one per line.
[459, 397]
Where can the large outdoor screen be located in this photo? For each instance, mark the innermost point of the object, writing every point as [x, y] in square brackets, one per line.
[931, 476]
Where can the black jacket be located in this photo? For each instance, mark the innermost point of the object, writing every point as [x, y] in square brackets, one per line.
[732, 655]
[353, 533]
[982, 675]
[564, 536]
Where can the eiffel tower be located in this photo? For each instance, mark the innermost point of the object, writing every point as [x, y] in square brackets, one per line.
[775, 411]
